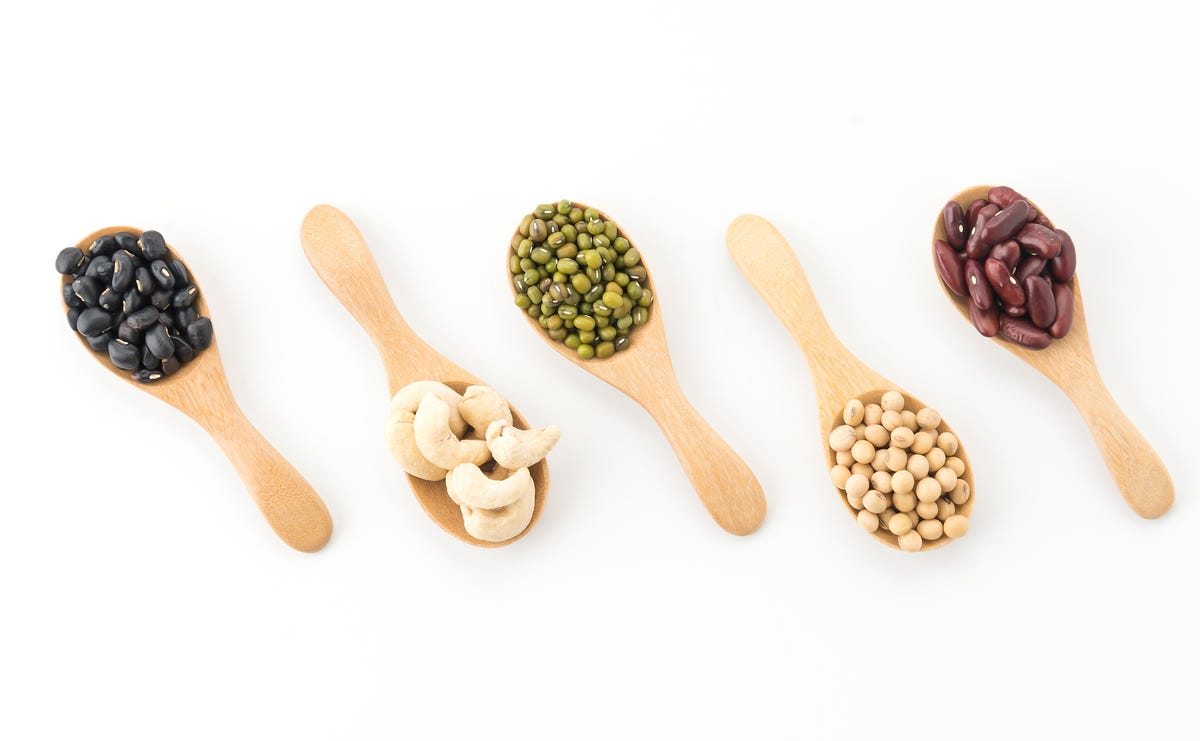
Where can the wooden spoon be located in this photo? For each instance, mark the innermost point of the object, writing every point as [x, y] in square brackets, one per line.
[200, 390]
[339, 254]
[643, 372]
[765, 258]
[1138, 471]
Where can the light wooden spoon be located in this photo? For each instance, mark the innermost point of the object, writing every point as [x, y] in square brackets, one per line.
[200, 390]
[724, 482]
[765, 258]
[1138, 471]
[339, 254]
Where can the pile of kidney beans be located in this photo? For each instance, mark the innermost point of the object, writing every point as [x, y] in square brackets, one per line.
[1011, 264]
[133, 301]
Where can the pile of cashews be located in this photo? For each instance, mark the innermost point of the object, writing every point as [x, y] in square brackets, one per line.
[437, 434]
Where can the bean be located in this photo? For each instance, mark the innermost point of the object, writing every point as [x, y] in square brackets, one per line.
[1030, 265]
[124, 355]
[100, 342]
[69, 298]
[123, 272]
[170, 365]
[955, 224]
[1004, 196]
[1006, 223]
[93, 321]
[1041, 301]
[149, 359]
[982, 295]
[73, 318]
[1040, 241]
[1003, 283]
[1062, 266]
[126, 241]
[132, 301]
[152, 245]
[161, 300]
[105, 244]
[180, 271]
[973, 211]
[143, 283]
[88, 290]
[930, 529]
[987, 321]
[538, 231]
[976, 248]
[162, 275]
[852, 413]
[1064, 310]
[147, 376]
[1008, 253]
[143, 319]
[1011, 310]
[200, 333]
[128, 333]
[1022, 332]
[100, 268]
[69, 260]
[159, 342]
[110, 300]
[956, 526]
[950, 267]
[183, 351]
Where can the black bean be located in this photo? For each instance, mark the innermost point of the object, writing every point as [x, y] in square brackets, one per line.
[200, 333]
[124, 355]
[110, 300]
[70, 299]
[170, 365]
[73, 318]
[87, 289]
[122, 272]
[126, 241]
[162, 275]
[159, 342]
[100, 268]
[153, 246]
[185, 298]
[147, 376]
[69, 260]
[142, 282]
[185, 316]
[148, 359]
[128, 333]
[143, 319]
[182, 278]
[161, 300]
[94, 321]
[183, 350]
[100, 342]
[133, 301]
[104, 245]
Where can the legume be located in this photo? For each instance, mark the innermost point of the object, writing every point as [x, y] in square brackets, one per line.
[132, 301]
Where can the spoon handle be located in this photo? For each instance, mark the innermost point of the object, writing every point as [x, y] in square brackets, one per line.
[1134, 465]
[725, 484]
[771, 267]
[342, 259]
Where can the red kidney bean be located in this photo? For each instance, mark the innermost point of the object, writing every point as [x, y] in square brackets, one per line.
[987, 321]
[1022, 332]
[1040, 300]
[1007, 252]
[1064, 307]
[973, 210]
[1006, 287]
[1004, 196]
[956, 225]
[977, 249]
[1062, 267]
[949, 263]
[977, 285]
[1012, 310]
[1006, 223]
[1030, 265]
[1040, 241]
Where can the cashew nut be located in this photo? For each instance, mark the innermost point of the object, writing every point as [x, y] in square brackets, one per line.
[468, 485]
[480, 406]
[409, 398]
[436, 440]
[513, 448]
[402, 443]
[495, 525]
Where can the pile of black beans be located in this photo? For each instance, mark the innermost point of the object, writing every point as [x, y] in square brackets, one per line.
[133, 300]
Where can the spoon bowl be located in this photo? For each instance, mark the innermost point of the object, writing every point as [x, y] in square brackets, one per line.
[1068, 362]
[340, 256]
[725, 484]
[771, 267]
[200, 390]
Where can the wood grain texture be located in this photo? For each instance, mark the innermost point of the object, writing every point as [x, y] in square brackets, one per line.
[725, 484]
[201, 391]
[342, 259]
[1134, 465]
[771, 267]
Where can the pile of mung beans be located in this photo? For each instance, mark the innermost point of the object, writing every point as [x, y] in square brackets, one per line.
[580, 278]
[1011, 264]
[134, 302]
[898, 470]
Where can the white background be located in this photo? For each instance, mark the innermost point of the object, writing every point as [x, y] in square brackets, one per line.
[142, 596]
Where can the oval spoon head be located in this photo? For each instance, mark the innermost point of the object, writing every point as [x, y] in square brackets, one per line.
[170, 387]
[883, 535]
